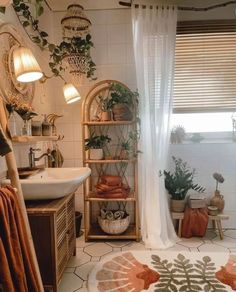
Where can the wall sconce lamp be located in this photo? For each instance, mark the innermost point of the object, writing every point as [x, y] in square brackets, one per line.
[71, 94]
[26, 66]
[27, 69]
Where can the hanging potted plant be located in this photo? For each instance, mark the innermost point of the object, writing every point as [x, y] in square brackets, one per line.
[179, 183]
[123, 102]
[95, 146]
[106, 107]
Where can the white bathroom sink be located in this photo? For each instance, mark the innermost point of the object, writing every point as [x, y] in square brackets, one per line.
[53, 183]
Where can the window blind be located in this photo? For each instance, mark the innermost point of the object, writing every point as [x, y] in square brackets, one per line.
[205, 67]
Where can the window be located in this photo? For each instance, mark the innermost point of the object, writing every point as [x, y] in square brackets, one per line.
[205, 75]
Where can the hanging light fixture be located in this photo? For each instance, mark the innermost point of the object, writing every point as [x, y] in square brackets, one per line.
[71, 94]
[75, 23]
[25, 65]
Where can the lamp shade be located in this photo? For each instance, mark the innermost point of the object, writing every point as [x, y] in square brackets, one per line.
[71, 94]
[25, 65]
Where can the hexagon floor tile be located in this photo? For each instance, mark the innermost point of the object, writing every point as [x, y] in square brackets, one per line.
[80, 259]
[84, 270]
[227, 242]
[209, 247]
[70, 282]
[191, 242]
[98, 249]
[89, 253]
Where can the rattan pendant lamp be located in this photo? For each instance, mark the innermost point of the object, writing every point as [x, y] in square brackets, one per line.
[75, 24]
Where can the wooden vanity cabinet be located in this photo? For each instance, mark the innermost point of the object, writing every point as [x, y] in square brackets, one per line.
[52, 224]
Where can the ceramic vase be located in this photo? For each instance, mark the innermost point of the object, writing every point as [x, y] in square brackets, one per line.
[12, 124]
[96, 154]
[218, 201]
[26, 129]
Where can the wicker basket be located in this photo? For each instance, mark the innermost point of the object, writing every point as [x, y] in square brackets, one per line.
[114, 226]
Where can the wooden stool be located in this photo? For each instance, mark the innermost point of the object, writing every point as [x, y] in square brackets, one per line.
[216, 221]
[179, 217]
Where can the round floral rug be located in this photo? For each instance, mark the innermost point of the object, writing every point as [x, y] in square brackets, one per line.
[164, 271]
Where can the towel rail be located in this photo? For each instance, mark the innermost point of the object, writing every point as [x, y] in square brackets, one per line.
[15, 182]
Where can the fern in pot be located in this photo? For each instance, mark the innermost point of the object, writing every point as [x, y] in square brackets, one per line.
[95, 146]
[106, 108]
[179, 182]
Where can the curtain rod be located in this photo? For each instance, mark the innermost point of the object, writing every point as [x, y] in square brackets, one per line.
[184, 8]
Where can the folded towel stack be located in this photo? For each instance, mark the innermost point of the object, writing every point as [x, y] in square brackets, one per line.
[111, 186]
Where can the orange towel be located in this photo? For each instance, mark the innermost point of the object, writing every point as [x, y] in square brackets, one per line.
[195, 222]
[111, 180]
[17, 270]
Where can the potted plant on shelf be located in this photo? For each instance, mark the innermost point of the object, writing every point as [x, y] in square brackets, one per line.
[128, 146]
[106, 107]
[95, 146]
[26, 112]
[122, 102]
[179, 183]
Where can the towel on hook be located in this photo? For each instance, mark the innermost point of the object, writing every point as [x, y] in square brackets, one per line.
[17, 269]
[4, 146]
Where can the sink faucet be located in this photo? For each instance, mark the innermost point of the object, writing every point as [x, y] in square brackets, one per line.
[33, 159]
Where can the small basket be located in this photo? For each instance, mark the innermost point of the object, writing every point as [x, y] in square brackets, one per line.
[114, 226]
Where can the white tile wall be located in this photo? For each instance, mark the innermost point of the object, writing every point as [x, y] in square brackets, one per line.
[44, 93]
[112, 53]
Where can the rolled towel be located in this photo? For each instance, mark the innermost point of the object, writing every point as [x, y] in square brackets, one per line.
[109, 215]
[4, 146]
[111, 180]
[119, 215]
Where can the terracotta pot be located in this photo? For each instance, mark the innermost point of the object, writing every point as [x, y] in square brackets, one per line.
[218, 201]
[124, 154]
[105, 116]
[95, 154]
[122, 112]
[177, 205]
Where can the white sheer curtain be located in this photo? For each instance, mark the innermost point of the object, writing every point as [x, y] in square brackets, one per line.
[154, 33]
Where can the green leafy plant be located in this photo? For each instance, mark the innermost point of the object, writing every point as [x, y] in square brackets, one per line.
[105, 104]
[129, 144]
[40, 38]
[120, 94]
[180, 181]
[25, 112]
[96, 142]
[77, 45]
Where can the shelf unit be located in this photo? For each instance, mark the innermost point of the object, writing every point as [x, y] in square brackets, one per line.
[32, 139]
[111, 165]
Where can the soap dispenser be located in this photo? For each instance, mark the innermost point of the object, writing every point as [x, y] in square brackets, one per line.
[46, 127]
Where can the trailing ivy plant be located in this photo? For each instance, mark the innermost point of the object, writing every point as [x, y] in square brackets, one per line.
[40, 38]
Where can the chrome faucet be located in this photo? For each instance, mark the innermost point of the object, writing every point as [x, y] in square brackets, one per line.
[33, 159]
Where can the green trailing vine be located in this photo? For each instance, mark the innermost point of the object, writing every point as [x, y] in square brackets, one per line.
[40, 38]
[183, 276]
